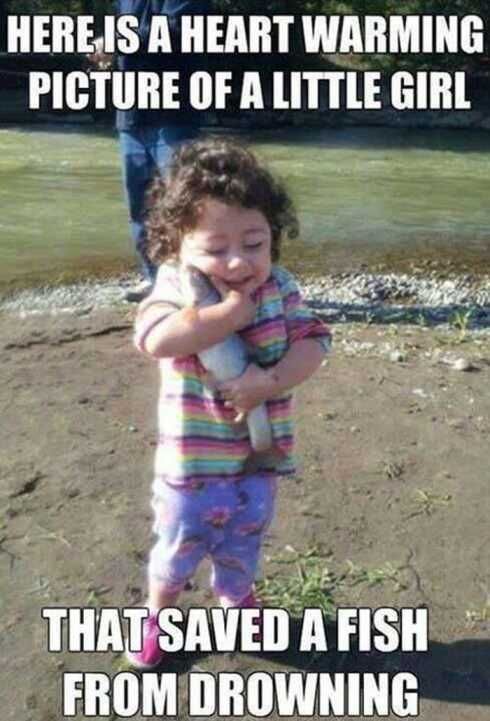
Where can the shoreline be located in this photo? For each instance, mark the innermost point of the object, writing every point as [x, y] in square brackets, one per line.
[425, 299]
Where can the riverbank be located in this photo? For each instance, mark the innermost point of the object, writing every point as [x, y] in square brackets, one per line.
[389, 502]
[423, 298]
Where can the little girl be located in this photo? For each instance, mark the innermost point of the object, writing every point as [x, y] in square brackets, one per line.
[218, 210]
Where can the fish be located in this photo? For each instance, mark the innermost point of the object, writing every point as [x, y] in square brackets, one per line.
[229, 358]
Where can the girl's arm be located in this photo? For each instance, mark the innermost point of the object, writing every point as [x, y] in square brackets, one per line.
[165, 332]
[309, 340]
[302, 359]
[257, 385]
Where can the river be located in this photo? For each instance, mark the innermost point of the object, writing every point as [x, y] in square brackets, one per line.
[368, 197]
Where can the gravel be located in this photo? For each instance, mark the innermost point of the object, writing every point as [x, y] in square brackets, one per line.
[463, 300]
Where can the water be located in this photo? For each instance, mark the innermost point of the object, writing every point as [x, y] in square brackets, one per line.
[382, 195]
[366, 196]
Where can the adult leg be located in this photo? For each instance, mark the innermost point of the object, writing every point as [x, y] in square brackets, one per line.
[168, 139]
[145, 151]
[138, 169]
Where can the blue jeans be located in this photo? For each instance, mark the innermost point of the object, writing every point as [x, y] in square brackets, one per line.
[144, 150]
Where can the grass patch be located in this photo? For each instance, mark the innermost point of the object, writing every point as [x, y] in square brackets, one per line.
[427, 503]
[387, 573]
[311, 581]
[422, 320]
[95, 595]
[461, 321]
[474, 617]
[393, 469]
[374, 576]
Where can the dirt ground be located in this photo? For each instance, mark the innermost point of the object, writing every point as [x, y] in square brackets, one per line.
[393, 494]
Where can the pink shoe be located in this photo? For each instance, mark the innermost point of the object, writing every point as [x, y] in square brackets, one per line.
[151, 655]
[250, 601]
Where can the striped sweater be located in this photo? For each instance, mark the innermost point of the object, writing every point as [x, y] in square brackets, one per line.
[198, 440]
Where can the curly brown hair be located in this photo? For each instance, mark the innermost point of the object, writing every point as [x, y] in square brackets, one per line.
[220, 169]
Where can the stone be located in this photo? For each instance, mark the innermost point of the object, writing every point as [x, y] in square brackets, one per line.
[397, 356]
[461, 364]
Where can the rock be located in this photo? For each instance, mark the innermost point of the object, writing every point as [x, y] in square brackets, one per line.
[461, 364]
[30, 701]
[456, 423]
[84, 310]
[72, 492]
[397, 356]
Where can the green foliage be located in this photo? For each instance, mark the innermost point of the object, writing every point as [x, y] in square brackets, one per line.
[361, 7]
[307, 583]
[98, 8]
[67, 7]
[284, 7]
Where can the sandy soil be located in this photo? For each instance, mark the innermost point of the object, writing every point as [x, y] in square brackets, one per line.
[394, 479]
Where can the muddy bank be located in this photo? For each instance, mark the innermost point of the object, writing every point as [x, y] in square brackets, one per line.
[391, 501]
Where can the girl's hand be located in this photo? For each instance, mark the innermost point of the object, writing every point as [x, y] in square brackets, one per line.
[239, 302]
[247, 391]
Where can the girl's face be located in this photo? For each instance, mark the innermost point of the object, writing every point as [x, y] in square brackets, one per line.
[231, 243]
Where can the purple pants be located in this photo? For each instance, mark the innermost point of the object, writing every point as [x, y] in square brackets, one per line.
[225, 521]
